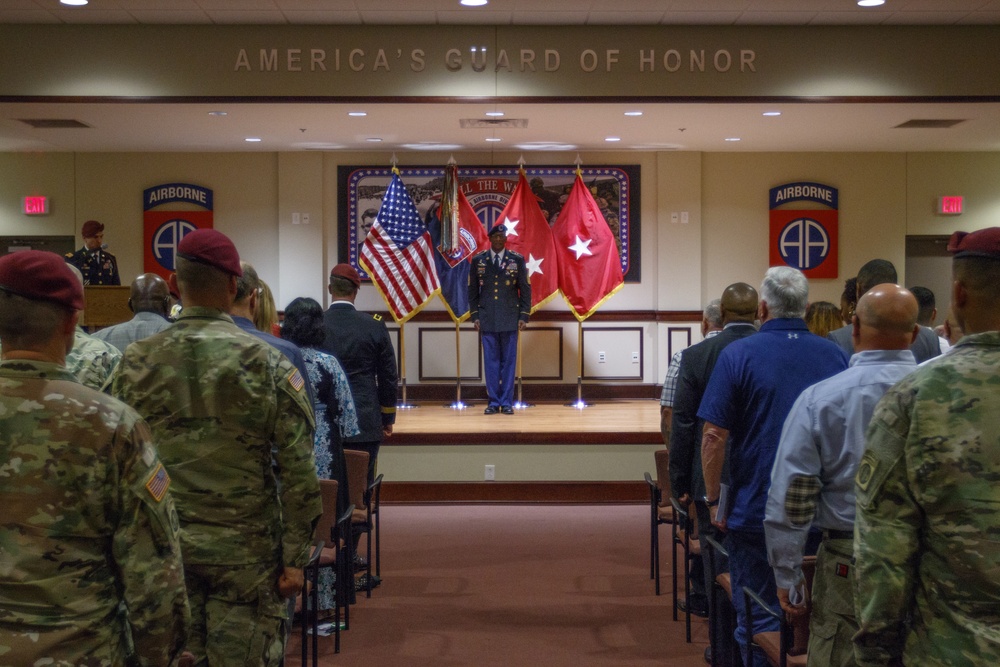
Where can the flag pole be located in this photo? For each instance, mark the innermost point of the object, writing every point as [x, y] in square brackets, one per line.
[580, 404]
[458, 404]
[519, 404]
[402, 404]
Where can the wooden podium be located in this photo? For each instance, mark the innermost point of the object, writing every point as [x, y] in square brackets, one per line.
[106, 305]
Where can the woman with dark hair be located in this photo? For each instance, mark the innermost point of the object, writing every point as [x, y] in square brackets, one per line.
[336, 418]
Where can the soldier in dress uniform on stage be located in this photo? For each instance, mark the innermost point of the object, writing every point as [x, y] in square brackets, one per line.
[499, 306]
[98, 266]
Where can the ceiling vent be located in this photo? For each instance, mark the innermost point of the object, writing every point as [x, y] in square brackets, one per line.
[930, 123]
[491, 123]
[53, 123]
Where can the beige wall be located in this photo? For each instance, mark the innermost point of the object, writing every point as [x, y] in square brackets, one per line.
[883, 197]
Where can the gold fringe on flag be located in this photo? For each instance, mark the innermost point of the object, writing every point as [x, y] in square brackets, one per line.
[449, 210]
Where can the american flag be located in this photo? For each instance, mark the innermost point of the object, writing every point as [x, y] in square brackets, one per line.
[398, 254]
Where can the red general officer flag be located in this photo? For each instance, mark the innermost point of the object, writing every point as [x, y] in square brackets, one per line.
[590, 269]
[529, 234]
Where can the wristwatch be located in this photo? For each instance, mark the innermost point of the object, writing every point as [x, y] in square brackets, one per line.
[711, 503]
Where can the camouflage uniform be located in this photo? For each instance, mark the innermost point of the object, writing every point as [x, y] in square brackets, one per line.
[90, 559]
[234, 428]
[927, 591]
[92, 361]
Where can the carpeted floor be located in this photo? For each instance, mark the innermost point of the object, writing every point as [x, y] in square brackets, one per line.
[499, 585]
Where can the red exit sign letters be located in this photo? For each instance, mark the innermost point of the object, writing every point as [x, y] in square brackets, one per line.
[35, 205]
[950, 205]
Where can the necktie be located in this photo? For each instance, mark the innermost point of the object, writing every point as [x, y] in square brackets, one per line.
[496, 261]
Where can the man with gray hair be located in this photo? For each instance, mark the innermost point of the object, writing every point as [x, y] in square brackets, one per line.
[753, 386]
[711, 325]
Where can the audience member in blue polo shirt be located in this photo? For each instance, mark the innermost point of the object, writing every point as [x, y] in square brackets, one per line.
[753, 386]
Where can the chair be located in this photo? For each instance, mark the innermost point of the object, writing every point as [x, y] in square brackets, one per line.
[789, 645]
[330, 530]
[720, 619]
[659, 511]
[680, 532]
[366, 499]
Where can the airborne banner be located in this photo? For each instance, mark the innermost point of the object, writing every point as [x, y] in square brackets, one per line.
[163, 230]
[804, 238]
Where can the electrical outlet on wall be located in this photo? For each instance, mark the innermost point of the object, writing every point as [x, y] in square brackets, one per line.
[491, 472]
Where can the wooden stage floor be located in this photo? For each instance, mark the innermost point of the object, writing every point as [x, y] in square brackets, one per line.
[604, 421]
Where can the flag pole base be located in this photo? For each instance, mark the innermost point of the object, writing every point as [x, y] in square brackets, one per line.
[406, 406]
[457, 405]
[578, 404]
[520, 405]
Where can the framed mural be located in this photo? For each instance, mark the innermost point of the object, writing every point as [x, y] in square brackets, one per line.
[615, 188]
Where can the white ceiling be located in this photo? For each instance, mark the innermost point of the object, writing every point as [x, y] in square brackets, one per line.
[568, 127]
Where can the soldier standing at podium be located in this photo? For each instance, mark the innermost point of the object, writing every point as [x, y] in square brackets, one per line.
[98, 266]
[499, 306]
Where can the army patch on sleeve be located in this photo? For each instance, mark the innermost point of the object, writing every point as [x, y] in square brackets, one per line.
[866, 471]
[377, 318]
[295, 379]
[158, 483]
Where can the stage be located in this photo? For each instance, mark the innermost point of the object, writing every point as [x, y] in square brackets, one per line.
[604, 421]
[546, 453]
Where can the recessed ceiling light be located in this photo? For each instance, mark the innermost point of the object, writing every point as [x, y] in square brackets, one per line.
[473, 3]
[357, 114]
[633, 113]
[732, 138]
[74, 3]
[218, 113]
[493, 139]
[772, 113]
[253, 140]
[612, 139]
[870, 3]
[495, 114]
[374, 140]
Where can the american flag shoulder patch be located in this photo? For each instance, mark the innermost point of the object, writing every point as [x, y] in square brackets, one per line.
[295, 379]
[158, 483]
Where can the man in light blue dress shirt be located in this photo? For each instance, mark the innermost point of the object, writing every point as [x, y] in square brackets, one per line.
[812, 482]
[149, 299]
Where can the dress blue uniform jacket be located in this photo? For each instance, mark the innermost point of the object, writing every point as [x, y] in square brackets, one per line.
[99, 267]
[499, 298]
[361, 343]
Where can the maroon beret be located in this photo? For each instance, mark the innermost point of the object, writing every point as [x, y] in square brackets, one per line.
[983, 243]
[211, 247]
[347, 272]
[41, 276]
[91, 228]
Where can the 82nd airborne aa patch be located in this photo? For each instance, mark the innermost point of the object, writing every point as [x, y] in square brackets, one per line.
[158, 483]
[866, 470]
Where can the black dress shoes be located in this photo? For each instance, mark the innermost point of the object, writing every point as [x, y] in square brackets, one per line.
[507, 410]
[490, 410]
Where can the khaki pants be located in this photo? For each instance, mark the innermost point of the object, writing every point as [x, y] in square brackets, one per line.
[831, 623]
[237, 615]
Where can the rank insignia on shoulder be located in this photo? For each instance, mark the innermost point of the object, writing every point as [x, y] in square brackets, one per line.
[69, 254]
[295, 379]
[377, 317]
[158, 483]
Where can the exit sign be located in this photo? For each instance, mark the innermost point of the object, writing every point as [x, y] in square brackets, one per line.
[950, 205]
[35, 205]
